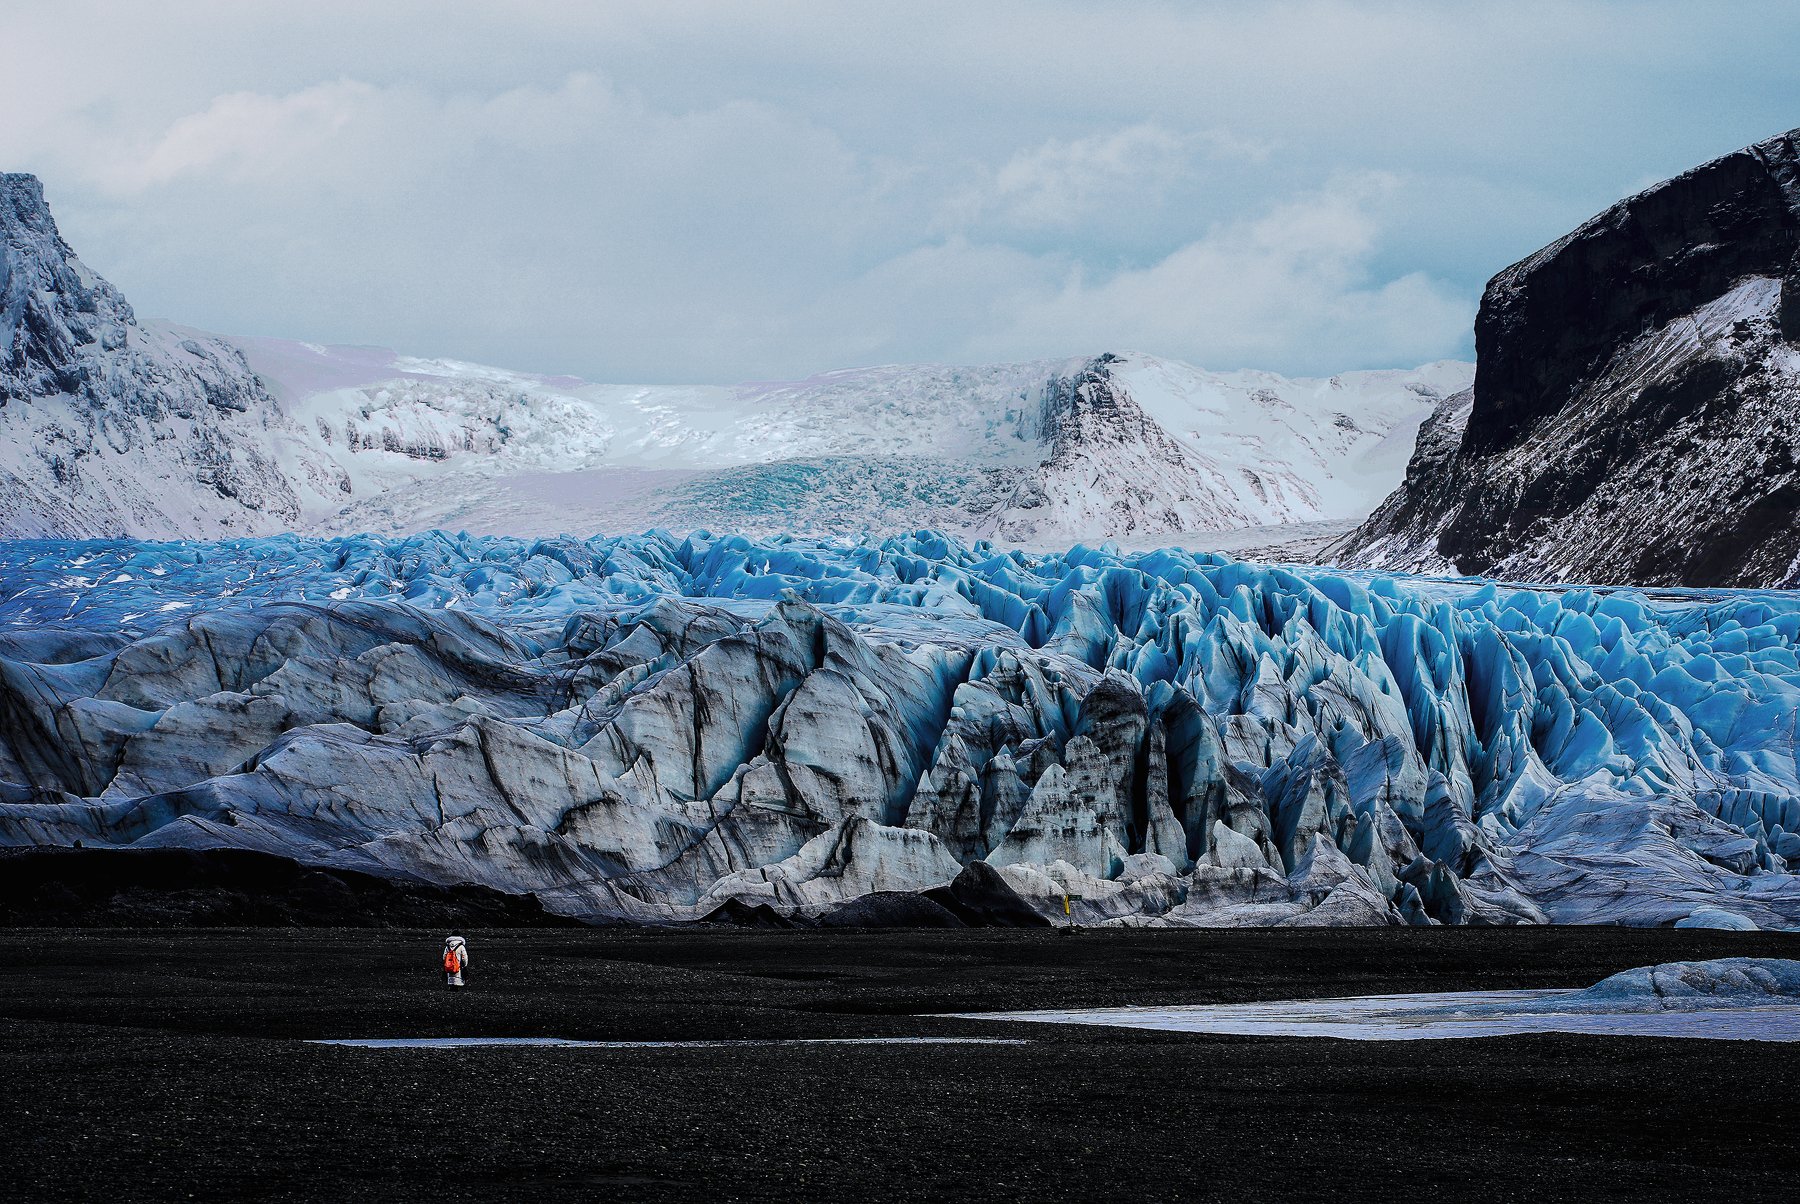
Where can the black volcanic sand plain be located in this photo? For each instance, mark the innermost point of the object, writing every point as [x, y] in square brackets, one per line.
[170, 1064]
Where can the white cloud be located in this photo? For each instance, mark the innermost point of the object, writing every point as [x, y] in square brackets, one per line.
[1062, 184]
[1293, 286]
[244, 135]
[685, 189]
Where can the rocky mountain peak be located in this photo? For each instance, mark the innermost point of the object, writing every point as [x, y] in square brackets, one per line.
[109, 427]
[1091, 408]
[1111, 466]
[51, 306]
[1635, 416]
[1548, 323]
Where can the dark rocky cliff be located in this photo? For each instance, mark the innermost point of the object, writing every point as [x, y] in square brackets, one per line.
[1636, 390]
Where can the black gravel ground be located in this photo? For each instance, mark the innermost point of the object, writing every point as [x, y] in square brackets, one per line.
[168, 1065]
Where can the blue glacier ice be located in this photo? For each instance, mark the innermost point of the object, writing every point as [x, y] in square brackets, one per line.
[647, 727]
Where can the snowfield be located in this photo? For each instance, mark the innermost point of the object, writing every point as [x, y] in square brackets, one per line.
[982, 451]
[652, 728]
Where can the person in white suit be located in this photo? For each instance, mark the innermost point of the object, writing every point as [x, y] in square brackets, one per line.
[456, 960]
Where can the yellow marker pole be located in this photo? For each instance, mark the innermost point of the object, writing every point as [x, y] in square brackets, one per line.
[1065, 907]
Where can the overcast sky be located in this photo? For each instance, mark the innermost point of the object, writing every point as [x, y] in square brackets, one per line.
[673, 191]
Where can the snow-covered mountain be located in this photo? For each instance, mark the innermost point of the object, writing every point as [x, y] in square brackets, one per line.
[1038, 451]
[119, 427]
[110, 427]
[1139, 445]
[1635, 415]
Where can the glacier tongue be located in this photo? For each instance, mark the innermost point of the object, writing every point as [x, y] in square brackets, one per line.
[1041, 453]
[651, 728]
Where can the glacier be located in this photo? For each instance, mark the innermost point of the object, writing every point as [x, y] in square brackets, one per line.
[650, 728]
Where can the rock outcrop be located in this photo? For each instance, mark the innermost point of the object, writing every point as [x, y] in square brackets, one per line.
[1635, 406]
[1110, 467]
[914, 730]
[111, 428]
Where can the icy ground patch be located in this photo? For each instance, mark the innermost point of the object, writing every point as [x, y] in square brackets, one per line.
[567, 1043]
[649, 728]
[1453, 1015]
[1734, 999]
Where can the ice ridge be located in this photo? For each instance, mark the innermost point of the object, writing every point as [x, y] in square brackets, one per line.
[650, 728]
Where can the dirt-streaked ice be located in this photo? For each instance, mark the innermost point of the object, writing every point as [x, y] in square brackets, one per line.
[650, 728]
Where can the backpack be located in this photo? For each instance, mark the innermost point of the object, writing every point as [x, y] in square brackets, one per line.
[452, 959]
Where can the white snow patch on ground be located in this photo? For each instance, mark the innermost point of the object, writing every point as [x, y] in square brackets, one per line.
[1730, 999]
[567, 1043]
[1454, 1014]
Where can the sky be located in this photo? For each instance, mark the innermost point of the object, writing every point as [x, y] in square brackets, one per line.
[678, 191]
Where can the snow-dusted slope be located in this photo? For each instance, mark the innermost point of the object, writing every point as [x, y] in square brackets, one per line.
[116, 427]
[109, 427]
[1636, 414]
[1140, 445]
